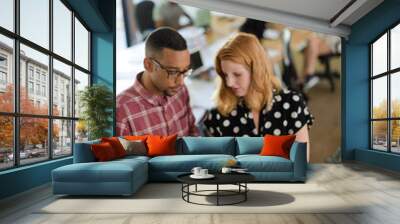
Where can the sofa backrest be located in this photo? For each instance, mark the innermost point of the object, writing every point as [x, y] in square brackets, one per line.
[190, 146]
[83, 152]
[249, 145]
[206, 145]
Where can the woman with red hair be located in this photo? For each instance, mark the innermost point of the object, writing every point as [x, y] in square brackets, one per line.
[249, 98]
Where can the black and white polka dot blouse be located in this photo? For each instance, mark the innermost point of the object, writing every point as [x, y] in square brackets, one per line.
[288, 114]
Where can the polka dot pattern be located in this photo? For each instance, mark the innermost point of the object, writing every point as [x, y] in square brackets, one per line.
[277, 132]
[286, 105]
[268, 124]
[250, 115]
[287, 115]
[277, 114]
[226, 123]
[234, 113]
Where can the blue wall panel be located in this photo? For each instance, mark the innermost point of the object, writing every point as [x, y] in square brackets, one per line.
[355, 120]
[103, 69]
[24, 178]
[355, 83]
[379, 159]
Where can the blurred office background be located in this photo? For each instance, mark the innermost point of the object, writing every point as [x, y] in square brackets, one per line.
[295, 55]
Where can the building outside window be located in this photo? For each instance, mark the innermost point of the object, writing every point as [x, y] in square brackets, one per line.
[37, 74]
[38, 89]
[43, 90]
[3, 78]
[3, 61]
[3, 72]
[3, 81]
[30, 87]
[30, 72]
[44, 77]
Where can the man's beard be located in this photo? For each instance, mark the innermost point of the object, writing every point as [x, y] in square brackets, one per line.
[168, 93]
[171, 92]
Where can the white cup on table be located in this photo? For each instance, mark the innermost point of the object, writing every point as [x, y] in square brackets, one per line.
[196, 170]
[203, 172]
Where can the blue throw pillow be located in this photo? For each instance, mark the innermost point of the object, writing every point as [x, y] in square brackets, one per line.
[249, 145]
[208, 145]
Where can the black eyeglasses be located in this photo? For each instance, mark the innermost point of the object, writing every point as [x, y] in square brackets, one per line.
[173, 72]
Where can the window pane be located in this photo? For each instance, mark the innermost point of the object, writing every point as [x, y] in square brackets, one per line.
[62, 138]
[7, 14]
[81, 81]
[35, 21]
[395, 136]
[379, 55]
[6, 74]
[62, 89]
[6, 142]
[81, 45]
[62, 29]
[81, 131]
[33, 139]
[379, 97]
[395, 94]
[33, 100]
[379, 135]
[395, 47]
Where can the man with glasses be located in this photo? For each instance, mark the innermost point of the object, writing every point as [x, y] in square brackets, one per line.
[158, 101]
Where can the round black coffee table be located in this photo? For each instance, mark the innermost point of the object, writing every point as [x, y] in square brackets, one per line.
[238, 179]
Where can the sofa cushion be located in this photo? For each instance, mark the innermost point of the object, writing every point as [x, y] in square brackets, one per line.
[135, 137]
[257, 163]
[161, 145]
[112, 171]
[249, 145]
[83, 152]
[185, 163]
[133, 158]
[209, 145]
[134, 147]
[277, 145]
[103, 152]
[116, 145]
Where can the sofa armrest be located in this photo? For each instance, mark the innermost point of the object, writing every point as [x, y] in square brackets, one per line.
[83, 152]
[298, 155]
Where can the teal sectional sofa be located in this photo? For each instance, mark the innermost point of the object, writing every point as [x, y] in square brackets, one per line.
[125, 176]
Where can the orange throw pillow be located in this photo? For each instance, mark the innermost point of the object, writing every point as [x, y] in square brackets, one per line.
[277, 145]
[135, 138]
[103, 152]
[116, 145]
[161, 145]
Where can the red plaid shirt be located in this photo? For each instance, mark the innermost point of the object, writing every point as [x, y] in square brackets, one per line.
[139, 112]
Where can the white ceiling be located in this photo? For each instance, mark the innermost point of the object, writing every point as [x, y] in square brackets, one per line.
[315, 15]
[321, 9]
